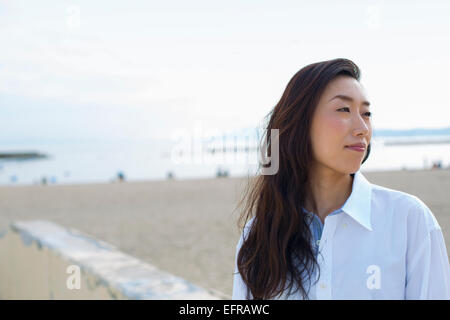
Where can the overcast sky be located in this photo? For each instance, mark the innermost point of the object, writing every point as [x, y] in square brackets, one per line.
[142, 69]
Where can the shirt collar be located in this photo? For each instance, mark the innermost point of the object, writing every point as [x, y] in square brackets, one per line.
[358, 204]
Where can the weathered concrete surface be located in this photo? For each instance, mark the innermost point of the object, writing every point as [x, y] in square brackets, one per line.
[40, 259]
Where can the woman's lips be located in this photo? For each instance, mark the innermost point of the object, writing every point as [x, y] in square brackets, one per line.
[356, 149]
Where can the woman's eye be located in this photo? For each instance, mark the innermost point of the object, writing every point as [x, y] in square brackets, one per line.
[369, 114]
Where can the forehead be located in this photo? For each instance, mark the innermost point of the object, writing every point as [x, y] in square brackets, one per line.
[344, 85]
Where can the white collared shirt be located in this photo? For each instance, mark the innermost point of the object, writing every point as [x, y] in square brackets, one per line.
[382, 244]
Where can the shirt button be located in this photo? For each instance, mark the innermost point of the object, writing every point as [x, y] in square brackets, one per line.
[345, 225]
[323, 286]
[318, 242]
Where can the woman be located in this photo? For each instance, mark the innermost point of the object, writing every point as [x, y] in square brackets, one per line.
[316, 228]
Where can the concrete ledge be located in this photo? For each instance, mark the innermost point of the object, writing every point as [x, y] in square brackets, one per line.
[39, 260]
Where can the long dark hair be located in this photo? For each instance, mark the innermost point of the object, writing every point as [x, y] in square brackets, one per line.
[276, 254]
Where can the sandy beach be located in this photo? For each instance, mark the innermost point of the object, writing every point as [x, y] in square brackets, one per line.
[185, 227]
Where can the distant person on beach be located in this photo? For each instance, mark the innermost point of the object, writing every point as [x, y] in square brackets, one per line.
[317, 228]
[437, 165]
[221, 174]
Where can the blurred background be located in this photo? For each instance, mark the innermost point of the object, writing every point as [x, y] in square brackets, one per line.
[122, 118]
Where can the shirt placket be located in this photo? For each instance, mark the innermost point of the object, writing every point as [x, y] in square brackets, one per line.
[323, 287]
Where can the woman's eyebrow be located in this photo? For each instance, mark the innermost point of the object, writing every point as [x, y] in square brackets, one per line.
[350, 99]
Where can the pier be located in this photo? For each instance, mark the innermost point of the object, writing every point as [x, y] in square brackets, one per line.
[22, 155]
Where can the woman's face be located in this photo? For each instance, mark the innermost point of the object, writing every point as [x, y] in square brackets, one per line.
[342, 118]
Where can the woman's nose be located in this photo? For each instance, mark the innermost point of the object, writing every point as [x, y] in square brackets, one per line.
[361, 125]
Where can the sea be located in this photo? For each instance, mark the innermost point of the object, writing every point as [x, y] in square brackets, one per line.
[84, 161]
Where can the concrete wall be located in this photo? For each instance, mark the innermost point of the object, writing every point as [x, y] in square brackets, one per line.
[42, 260]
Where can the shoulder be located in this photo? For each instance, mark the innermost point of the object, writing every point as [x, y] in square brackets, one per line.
[245, 231]
[248, 226]
[406, 206]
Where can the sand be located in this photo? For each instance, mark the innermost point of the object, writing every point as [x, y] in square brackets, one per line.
[185, 227]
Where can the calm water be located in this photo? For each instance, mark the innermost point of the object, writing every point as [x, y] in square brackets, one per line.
[100, 161]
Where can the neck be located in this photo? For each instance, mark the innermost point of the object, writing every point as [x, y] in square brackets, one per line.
[329, 191]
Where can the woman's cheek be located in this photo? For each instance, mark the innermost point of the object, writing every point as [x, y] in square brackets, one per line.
[328, 131]
[336, 126]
